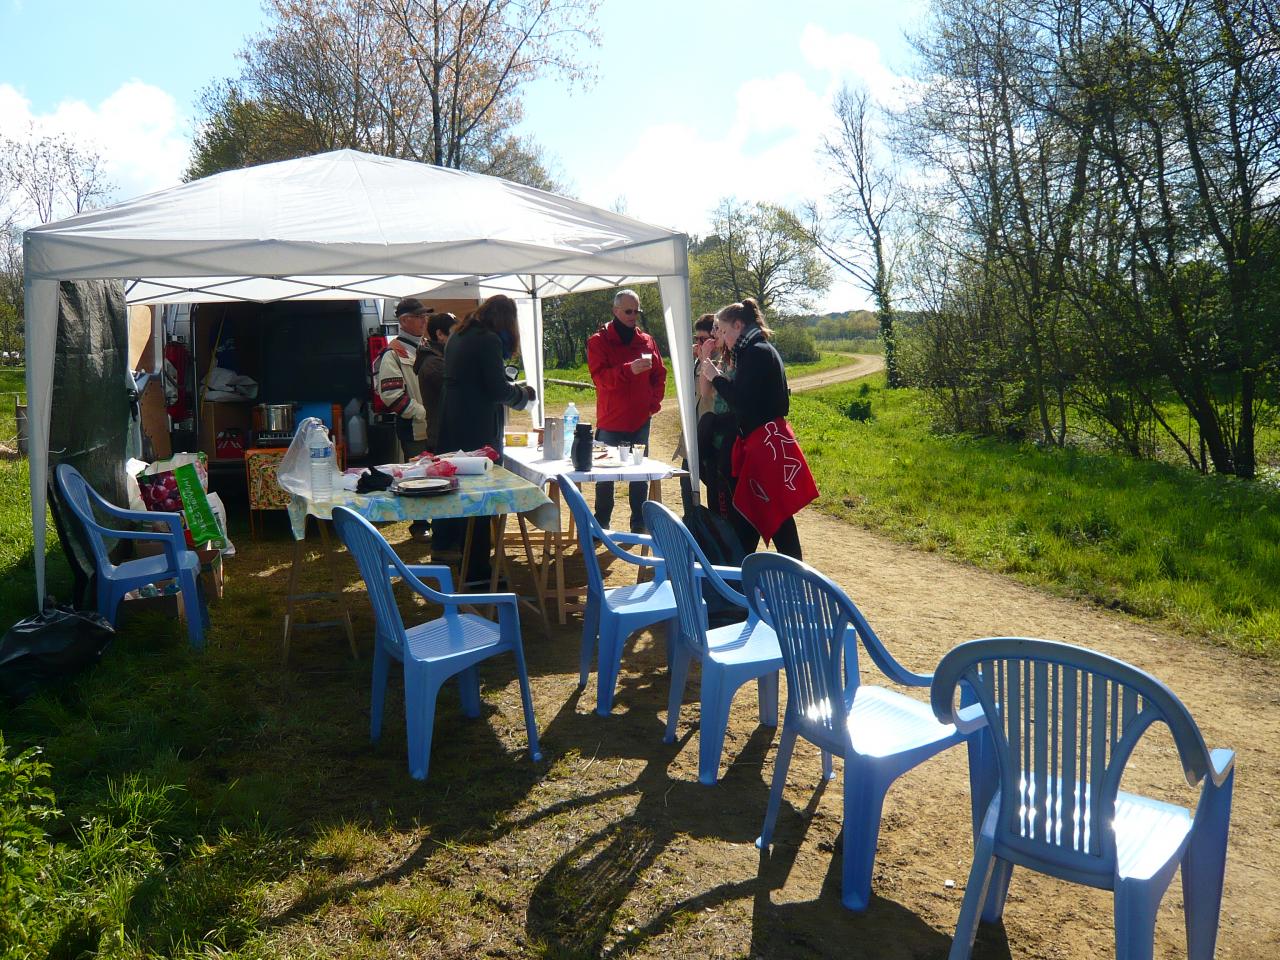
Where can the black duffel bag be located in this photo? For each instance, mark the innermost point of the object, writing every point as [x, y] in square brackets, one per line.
[56, 644]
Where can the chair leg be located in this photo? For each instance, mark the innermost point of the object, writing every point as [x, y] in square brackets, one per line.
[590, 638]
[420, 690]
[608, 663]
[1203, 866]
[717, 697]
[526, 701]
[679, 679]
[984, 777]
[1136, 905]
[975, 895]
[828, 773]
[767, 695]
[863, 804]
[191, 603]
[469, 692]
[781, 762]
[997, 891]
[381, 667]
[671, 637]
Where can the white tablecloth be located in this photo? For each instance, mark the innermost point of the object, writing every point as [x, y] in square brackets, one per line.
[528, 462]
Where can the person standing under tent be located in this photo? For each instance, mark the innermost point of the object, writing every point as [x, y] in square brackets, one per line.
[630, 380]
[397, 386]
[429, 367]
[476, 390]
[772, 478]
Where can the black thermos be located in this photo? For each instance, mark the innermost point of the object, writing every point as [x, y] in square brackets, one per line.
[582, 447]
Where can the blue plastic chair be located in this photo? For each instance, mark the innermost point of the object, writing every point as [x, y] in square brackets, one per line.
[1064, 721]
[731, 655]
[612, 615]
[880, 733]
[431, 652]
[115, 580]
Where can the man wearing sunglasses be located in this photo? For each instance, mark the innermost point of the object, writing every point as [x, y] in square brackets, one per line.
[630, 380]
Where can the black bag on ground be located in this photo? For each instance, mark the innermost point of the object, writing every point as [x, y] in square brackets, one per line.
[53, 645]
[722, 547]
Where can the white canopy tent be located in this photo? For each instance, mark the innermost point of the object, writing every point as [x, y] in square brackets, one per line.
[346, 225]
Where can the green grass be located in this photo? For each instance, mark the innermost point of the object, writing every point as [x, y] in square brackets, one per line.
[1200, 553]
[856, 345]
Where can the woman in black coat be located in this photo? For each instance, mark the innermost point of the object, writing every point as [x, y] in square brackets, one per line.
[772, 481]
[471, 415]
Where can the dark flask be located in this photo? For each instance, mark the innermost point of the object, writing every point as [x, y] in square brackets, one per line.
[582, 447]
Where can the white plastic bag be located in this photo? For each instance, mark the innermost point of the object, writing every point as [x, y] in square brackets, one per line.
[294, 474]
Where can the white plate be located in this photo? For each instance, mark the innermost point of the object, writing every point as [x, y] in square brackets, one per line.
[424, 484]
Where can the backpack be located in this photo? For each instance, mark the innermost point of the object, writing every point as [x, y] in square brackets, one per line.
[720, 543]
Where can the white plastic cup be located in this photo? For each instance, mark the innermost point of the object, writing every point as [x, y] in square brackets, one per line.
[637, 454]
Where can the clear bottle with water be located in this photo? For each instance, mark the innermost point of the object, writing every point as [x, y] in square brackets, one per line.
[320, 450]
[570, 422]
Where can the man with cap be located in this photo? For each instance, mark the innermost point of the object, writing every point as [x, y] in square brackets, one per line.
[397, 386]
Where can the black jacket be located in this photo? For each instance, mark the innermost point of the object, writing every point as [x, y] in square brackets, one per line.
[429, 366]
[758, 391]
[475, 390]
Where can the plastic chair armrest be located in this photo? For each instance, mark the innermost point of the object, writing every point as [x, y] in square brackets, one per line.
[970, 718]
[611, 541]
[729, 573]
[717, 581]
[120, 513]
[434, 571]
[1221, 762]
[483, 599]
[637, 539]
[889, 666]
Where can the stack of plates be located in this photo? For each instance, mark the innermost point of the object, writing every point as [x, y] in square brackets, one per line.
[424, 486]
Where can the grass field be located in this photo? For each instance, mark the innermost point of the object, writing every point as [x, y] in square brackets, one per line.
[558, 395]
[1201, 553]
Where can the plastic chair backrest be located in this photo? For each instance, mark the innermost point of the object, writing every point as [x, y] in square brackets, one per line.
[811, 616]
[373, 555]
[1064, 721]
[77, 494]
[683, 557]
[589, 531]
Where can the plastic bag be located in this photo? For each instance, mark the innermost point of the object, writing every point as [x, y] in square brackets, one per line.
[57, 643]
[178, 485]
[294, 473]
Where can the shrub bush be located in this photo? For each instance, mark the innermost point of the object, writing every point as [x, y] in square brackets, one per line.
[796, 344]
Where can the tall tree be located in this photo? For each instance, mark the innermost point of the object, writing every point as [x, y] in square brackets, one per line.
[439, 81]
[857, 234]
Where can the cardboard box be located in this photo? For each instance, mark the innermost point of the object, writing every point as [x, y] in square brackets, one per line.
[169, 606]
[212, 573]
[220, 418]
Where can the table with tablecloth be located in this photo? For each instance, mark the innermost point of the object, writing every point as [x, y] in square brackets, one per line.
[530, 464]
[493, 494]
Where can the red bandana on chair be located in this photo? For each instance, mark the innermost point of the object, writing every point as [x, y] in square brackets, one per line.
[774, 481]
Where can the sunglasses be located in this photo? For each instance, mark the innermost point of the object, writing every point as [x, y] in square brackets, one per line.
[632, 312]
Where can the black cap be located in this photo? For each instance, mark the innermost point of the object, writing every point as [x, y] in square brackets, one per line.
[410, 305]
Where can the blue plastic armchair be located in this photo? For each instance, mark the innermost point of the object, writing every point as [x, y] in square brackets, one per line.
[612, 615]
[731, 655]
[1064, 721]
[879, 732]
[115, 580]
[432, 652]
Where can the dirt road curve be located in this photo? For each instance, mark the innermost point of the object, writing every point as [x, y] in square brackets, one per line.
[866, 363]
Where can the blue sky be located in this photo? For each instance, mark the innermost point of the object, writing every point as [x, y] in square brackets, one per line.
[694, 100]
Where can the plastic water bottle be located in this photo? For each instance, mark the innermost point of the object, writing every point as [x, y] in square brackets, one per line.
[570, 422]
[321, 456]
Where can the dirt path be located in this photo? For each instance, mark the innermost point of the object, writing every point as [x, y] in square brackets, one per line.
[921, 605]
[864, 365]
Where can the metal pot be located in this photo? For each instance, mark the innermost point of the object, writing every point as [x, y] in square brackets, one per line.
[276, 417]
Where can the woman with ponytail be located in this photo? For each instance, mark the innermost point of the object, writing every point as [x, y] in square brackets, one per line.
[772, 479]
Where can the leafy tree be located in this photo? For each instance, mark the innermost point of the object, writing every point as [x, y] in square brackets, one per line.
[438, 81]
[757, 250]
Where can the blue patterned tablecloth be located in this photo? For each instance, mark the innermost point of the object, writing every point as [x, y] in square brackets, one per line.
[496, 492]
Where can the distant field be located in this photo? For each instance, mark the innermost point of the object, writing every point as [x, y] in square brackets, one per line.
[858, 345]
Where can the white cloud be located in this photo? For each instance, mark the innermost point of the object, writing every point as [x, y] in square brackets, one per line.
[138, 131]
[768, 151]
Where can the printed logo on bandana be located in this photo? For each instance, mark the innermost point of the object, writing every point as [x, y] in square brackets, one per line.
[778, 444]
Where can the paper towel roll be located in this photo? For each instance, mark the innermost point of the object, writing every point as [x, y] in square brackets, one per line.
[471, 465]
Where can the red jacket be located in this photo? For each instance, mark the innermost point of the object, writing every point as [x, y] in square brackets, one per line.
[624, 401]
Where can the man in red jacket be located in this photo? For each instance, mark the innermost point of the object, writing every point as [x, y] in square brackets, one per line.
[630, 379]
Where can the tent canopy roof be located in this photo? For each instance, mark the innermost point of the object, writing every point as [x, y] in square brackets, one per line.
[348, 224]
